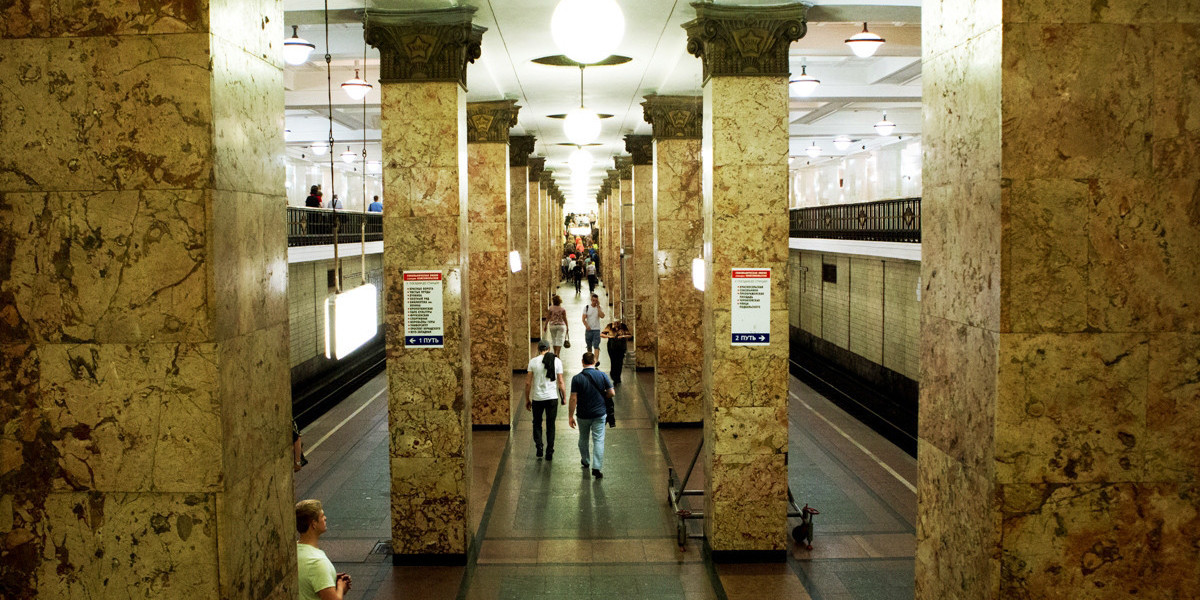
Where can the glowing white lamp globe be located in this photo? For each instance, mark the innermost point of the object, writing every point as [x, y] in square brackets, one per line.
[296, 49]
[885, 127]
[582, 126]
[348, 156]
[805, 84]
[319, 148]
[842, 142]
[357, 88]
[587, 31]
[580, 161]
[864, 43]
[813, 151]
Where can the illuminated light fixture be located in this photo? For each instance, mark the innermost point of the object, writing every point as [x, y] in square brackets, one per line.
[587, 31]
[319, 148]
[296, 49]
[813, 151]
[348, 156]
[698, 273]
[805, 84]
[514, 261]
[357, 88]
[864, 44]
[350, 320]
[885, 127]
[842, 142]
[582, 126]
[374, 167]
[580, 161]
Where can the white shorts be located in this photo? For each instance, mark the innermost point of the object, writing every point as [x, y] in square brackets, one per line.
[558, 333]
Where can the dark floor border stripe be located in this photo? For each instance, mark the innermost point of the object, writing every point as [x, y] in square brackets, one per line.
[490, 427]
[429, 560]
[477, 542]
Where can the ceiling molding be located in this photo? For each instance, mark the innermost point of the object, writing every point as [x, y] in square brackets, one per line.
[857, 13]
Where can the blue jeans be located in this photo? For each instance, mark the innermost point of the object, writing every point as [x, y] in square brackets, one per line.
[593, 428]
[592, 338]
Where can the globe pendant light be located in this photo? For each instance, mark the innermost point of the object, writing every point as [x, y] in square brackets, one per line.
[884, 127]
[864, 43]
[348, 156]
[356, 88]
[842, 142]
[582, 125]
[319, 148]
[587, 31]
[813, 151]
[296, 49]
[805, 84]
[580, 161]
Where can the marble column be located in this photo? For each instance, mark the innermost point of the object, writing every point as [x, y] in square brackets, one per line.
[744, 175]
[543, 287]
[519, 149]
[536, 307]
[1059, 442]
[488, 245]
[645, 278]
[679, 238]
[614, 249]
[624, 169]
[425, 179]
[145, 400]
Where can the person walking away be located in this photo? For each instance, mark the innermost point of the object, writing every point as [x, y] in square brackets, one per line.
[556, 323]
[318, 579]
[618, 336]
[590, 389]
[544, 391]
[591, 275]
[376, 206]
[592, 314]
[577, 274]
[566, 265]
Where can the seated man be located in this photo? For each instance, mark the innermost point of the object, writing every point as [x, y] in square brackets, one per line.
[318, 579]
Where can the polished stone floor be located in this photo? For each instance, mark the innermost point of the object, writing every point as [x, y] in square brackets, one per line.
[547, 529]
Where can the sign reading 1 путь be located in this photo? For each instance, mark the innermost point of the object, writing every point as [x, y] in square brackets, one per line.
[423, 309]
[750, 319]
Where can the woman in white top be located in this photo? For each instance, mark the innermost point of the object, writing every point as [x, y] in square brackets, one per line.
[545, 373]
[556, 322]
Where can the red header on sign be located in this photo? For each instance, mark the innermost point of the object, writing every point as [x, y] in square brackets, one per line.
[751, 274]
[436, 276]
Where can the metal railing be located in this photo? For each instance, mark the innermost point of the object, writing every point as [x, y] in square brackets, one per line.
[882, 221]
[314, 226]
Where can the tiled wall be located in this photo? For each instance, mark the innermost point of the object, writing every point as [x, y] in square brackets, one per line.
[307, 291]
[872, 310]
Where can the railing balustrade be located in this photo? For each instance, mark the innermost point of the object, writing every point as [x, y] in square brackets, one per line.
[314, 226]
[882, 221]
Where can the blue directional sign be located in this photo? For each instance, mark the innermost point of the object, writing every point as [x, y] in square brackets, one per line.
[434, 341]
[751, 338]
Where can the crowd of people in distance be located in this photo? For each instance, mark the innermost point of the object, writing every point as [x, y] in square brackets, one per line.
[316, 199]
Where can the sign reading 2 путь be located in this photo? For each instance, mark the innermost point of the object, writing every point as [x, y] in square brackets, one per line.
[423, 309]
[750, 316]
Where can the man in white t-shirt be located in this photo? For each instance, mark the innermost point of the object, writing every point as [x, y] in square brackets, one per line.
[541, 395]
[318, 579]
[592, 314]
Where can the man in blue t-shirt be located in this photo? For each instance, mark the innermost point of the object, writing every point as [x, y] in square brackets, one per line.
[590, 390]
[376, 206]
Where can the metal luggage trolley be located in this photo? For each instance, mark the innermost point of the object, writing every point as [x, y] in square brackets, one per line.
[676, 490]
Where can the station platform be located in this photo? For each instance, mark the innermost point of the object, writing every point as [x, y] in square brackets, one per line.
[547, 529]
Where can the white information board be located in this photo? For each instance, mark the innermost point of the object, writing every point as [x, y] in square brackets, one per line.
[423, 309]
[750, 319]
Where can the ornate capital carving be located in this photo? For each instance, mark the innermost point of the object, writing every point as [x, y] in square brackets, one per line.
[425, 45]
[675, 117]
[641, 147]
[624, 166]
[745, 40]
[614, 180]
[490, 121]
[605, 187]
[519, 149]
[536, 165]
[546, 178]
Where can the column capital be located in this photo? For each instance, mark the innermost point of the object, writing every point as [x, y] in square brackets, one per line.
[605, 185]
[519, 149]
[641, 148]
[624, 166]
[745, 40]
[537, 164]
[675, 117]
[424, 45]
[546, 178]
[490, 121]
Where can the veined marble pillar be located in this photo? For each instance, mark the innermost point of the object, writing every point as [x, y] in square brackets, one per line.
[678, 238]
[487, 234]
[616, 299]
[543, 289]
[1059, 443]
[536, 307]
[625, 172]
[520, 326]
[744, 174]
[645, 276]
[425, 179]
[145, 403]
